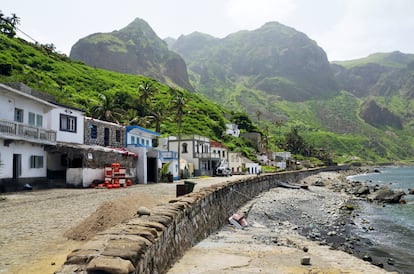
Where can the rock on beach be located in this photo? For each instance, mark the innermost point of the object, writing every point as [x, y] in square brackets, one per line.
[285, 226]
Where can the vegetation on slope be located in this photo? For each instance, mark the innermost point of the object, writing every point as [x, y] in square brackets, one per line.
[78, 85]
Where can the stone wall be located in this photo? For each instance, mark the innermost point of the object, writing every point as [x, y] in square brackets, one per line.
[151, 244]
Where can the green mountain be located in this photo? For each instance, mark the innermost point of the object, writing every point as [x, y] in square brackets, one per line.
[354, 111]
[135, 49]
[380, 74]
[78, 85]
[275, 59]
[359, 109]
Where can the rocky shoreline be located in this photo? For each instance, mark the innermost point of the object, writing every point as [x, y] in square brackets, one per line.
[314, 220]
[332, 219]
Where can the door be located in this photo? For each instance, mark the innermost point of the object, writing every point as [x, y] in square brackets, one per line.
[17, 165]
[152, 170]
[106, 137]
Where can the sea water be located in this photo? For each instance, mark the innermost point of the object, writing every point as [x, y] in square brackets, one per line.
[392, 225]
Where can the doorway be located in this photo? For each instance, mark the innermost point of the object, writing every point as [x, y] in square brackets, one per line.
[106, 137]
[152, 170]
[17, 166]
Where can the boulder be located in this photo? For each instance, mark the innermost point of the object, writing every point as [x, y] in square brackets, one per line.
[411, 191]
[387, 195]
[363, 190]
[143, 211]
[112, 265]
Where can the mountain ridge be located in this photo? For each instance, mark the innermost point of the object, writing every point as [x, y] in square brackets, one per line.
[134, 49]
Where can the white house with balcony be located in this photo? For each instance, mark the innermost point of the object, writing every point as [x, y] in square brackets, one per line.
[170, 159]
[25, 132]
[219, 156]
[139, 140]
[195, 150]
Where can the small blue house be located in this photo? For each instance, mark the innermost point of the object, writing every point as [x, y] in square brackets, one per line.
[140, 141]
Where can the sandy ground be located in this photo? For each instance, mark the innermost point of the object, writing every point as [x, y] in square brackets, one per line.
[35, 226]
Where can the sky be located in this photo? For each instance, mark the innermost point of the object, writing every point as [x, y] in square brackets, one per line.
[345, 29]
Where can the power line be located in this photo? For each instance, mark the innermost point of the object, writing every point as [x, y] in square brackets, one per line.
[34, 40]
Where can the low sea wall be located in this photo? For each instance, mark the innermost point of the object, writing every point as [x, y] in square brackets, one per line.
[152, 243]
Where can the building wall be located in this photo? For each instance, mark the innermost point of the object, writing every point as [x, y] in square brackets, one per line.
[186, 155]
[67, 136]
[113, 140]
[235, 162]
[26, 150]
[9, 101]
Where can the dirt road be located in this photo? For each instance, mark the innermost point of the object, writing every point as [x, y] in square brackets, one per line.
[32, 224]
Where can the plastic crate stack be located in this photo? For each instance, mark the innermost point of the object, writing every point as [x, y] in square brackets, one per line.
[115, 176]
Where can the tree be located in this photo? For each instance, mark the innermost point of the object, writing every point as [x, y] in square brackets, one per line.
[8, 25]
[243, 121]
[258, 115]
[157, 115]
[179, 104]
[295, 142]
[107, 109]
[146, 90]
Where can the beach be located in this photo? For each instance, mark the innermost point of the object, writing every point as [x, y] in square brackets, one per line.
[285, 225]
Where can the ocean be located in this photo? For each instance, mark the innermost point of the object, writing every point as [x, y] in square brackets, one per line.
[391, 232]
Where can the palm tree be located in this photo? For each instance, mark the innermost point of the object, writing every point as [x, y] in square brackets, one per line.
[179, 105]
[8, 25]
[258, 115]
[157, 114]
[14, 20]
[107, 109]
[146, 90]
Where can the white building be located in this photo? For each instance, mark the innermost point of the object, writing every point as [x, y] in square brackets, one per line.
[24, 133]
[235, 162]
[233, 129]
[195, 150]
[170, 158]
[140, 141]
[251, 167]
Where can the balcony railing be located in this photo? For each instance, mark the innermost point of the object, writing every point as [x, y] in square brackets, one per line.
[26, 132]
[202, 155]
[169, 155]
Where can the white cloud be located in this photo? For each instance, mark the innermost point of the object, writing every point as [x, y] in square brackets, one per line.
[367, 27]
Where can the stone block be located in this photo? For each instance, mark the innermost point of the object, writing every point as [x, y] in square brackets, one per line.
[165, 220]
[110, 265]
[81, 256]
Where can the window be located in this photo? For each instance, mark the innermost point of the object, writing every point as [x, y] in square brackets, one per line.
[118, 136]
[35, 119]
[36, 161]
[67, 123]
[147, 142]
[142, 141]
[39, 120]
[94, 131]
[18, 115]
[32, 118]
[132, 139]
[185, 145]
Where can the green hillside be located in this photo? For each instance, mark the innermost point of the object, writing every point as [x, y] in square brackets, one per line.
[330, 124]
[78, 85]
[394, 59]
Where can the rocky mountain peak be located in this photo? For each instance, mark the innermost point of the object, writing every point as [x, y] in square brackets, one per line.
[135, 49]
